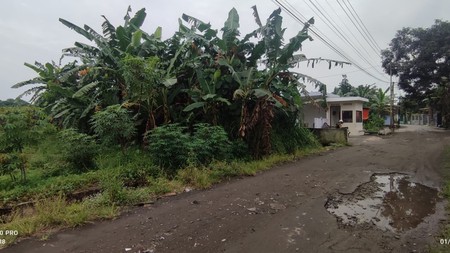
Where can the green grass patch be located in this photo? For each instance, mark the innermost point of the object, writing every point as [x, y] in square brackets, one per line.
[56, 212]
[53, 210]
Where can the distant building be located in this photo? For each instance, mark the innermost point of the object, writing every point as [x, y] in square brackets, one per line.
[350, 110]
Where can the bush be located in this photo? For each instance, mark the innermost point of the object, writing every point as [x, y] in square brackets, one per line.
[114, 126]
[113, 189]
[78, 150]
[22, 126]
[288, 140]
[374, 123]
[169, 146]
[10, 163]
[210, 143]
[172, 148]
[134, 175]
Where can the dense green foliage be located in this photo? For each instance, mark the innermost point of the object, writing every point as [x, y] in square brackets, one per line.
[19, 126]
[114, 126]
[78, 150]
[173, 146]
[196, 76]
[374, 123]
[420, 58]
[169, 146]
[13, 102]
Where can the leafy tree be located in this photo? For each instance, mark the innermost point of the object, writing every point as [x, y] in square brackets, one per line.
[344, 88]
[13, 102]
[73, 92]
[11, 162]
[19, 126]
[419, 57]
[364, 91]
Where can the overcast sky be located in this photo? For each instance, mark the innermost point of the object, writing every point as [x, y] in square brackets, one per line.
[30, 30]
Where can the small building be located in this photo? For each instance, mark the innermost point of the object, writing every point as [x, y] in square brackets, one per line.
[317, 114]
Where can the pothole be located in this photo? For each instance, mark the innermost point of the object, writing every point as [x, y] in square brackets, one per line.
[389, 201]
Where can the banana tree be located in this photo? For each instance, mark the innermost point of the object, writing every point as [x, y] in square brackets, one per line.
[206, 98]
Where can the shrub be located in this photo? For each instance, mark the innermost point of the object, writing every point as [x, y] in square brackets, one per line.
[172, 148]
[10, 163]
[374, 123]
[114, 126]
[134, 174]
[239, 150]
[169, 147]
[113, 189]
[210, 143]
[78, 150]
[288, 140]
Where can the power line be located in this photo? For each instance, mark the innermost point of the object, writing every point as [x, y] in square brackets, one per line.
[365, 28]
[353, 71]
[333, 47]
[365, 35]
[343, 23]
[357, 28]
[317, 32]
[337, 31]
[351, 32]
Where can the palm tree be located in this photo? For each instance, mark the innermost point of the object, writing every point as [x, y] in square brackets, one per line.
[365, 91]
[380, 102]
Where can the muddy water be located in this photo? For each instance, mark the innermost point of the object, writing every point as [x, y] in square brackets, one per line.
[388, 201]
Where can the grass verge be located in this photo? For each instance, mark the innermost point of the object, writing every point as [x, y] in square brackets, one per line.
[55, 212]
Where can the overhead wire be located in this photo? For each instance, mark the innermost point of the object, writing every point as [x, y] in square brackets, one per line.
[342, 23]
[365, 35]
[338, 31]
[357, 28]
[365, 27]
[317, 32]
[322, 37]
[353, 71]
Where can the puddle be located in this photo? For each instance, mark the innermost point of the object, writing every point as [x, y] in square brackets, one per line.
[388, 201]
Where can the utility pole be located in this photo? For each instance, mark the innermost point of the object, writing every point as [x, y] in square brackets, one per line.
[391, 99]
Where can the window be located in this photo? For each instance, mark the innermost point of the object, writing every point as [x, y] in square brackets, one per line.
[359, 117]
[347, 116]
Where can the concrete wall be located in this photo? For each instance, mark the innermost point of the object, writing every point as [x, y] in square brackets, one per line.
[327, 136]
[419, 119]
[310, 112]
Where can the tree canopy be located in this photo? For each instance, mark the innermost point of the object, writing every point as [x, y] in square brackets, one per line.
[420, 57]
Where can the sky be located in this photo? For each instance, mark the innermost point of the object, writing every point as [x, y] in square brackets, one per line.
[30, 30]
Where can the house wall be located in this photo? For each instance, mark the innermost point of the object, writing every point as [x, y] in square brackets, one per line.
[419, 119]
[310, 112]
[355, 128]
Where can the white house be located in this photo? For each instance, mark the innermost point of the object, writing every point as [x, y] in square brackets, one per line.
[348, 109]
